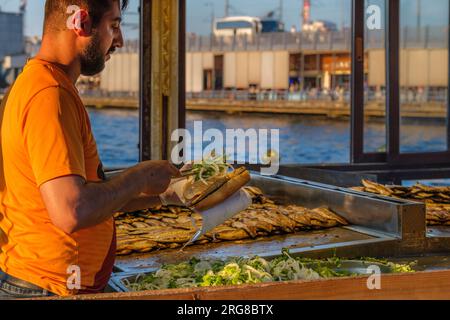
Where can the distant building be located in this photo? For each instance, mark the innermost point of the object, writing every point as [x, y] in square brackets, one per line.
[12, 50]
[11, 34]
[314, 60]
[293, 61]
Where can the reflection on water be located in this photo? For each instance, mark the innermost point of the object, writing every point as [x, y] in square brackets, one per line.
[420, 135]
[302, 139]
[117, 135]
[423, 136]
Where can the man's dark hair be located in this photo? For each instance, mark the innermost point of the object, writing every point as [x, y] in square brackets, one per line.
[56, 14]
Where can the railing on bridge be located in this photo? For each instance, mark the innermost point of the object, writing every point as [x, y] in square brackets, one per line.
[407, 95]
[426, 37]
[411, 37]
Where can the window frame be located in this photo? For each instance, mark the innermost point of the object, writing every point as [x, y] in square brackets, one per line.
[392, 156]
[145, 79]
[393, 117]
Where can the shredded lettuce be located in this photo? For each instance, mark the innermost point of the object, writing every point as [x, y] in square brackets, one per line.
[211, 166]
[238, 271]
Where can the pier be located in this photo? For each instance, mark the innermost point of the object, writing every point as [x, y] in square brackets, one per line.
[327, 108]
[330, 109]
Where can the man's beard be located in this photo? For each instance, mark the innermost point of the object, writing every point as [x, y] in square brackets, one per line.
[92, 59]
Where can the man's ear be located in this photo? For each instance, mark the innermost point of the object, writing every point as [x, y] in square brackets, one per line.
[81, 23]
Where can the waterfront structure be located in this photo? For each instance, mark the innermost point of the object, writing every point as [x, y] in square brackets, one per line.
[295, 62]
[310, 60]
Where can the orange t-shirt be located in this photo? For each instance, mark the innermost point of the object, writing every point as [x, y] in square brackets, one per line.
[46, 134]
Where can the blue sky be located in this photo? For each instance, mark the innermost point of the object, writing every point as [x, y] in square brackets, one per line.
[199, 12]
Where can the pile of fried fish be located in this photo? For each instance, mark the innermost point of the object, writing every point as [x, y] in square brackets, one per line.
[172, 227]
[436, 199]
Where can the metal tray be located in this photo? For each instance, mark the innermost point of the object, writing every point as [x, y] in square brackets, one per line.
[395, 217]
[425, 263]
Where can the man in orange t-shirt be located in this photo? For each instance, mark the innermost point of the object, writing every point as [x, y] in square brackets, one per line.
[56, 211]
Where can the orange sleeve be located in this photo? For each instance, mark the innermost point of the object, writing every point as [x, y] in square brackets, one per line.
[53, 136]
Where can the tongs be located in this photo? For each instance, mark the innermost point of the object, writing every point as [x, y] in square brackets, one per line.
[188, 173]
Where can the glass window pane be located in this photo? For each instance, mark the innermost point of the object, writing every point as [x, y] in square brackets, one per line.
[424, 75]
[375, 77]
[297, 81]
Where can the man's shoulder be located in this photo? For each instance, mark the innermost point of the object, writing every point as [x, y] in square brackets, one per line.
[37, 80]
[32, 81]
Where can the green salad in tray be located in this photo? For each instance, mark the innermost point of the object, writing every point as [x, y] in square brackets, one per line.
[238, 271]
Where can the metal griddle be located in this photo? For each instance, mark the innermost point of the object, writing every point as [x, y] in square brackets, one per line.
[380, 226]
[245, 248]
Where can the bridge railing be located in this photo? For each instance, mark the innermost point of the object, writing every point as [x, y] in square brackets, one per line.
[407, 95]
[410, 37]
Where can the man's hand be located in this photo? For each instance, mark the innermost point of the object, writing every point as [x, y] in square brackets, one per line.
[171, 198]
[156, 176]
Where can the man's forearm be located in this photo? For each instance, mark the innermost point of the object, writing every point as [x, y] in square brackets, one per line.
[141, 203]
[73, 204]
[99, 201]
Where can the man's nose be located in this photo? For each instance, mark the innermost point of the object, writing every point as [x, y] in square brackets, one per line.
[119, 40]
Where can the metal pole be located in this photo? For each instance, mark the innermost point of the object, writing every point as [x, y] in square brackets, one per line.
[302, 72]
[448, 92]
[213, 17]
[419, 21]
[281, 10]
[318, 73]
[213, 14]
[227, 8]
[393, 80]
[357, 83]
[145, 69]
[182, 63]
[333, 72]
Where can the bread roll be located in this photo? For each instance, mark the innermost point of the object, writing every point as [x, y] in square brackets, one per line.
[230, 187]
[203, 197]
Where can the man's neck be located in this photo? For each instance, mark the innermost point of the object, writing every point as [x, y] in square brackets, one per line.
[65, 59]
